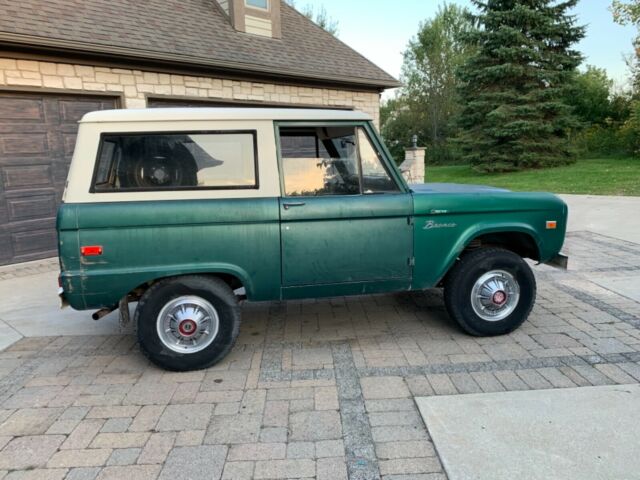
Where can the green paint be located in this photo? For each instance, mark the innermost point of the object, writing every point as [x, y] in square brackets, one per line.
[440, 238]
[145, 241]
[336, 239]
[341, 245]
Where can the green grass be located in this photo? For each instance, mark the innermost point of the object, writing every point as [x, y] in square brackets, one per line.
[602, 176]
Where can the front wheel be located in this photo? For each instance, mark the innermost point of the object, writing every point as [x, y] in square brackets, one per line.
[187, 323]
[490, 292]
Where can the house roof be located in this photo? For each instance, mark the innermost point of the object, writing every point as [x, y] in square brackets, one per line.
[186, 33]
[210, 114]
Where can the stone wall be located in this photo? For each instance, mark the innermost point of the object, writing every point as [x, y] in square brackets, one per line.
[413, 168]
[136, 85]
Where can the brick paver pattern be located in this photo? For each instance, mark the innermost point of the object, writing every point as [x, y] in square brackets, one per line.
[313, 389]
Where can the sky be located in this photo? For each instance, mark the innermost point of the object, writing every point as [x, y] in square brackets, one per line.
[380, 31]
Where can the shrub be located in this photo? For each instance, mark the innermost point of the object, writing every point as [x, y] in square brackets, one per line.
[599, 140]
[630, 131]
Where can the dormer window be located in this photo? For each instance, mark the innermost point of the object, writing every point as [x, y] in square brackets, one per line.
[260, 4]
[256, 17]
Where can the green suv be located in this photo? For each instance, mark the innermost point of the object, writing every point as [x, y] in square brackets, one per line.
[190, 211]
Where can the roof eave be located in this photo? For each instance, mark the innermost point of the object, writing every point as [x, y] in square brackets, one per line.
[34, 43]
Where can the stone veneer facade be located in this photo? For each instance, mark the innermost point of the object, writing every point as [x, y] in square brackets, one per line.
[134, 86]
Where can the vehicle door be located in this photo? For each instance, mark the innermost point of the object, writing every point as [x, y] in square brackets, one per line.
[345, 216]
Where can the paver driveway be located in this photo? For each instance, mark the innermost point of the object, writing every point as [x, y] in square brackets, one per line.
[318, 389]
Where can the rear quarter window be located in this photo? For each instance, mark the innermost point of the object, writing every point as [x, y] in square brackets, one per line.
[176, 161]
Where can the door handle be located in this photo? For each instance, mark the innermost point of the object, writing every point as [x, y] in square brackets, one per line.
[287, 206]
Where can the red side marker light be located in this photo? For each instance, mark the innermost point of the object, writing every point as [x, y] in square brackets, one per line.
[91, 251]
[552, 225]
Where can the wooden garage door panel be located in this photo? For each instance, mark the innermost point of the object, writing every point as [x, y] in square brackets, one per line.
[4, 214]
[25, 144]
[31, 240]
[69, 142]
[24, 108]
[71, 111]
[34, 242]
[6, 250]
[26, 176]
[32, 206]
[37, 138]
[59, 171]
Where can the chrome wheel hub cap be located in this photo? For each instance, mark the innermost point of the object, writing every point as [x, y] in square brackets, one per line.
[188, 324]
[495, 295]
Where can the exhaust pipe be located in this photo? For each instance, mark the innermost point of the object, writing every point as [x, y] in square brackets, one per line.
[102, 313]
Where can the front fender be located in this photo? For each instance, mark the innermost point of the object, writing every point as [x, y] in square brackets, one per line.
[437, 248]
[480, 230]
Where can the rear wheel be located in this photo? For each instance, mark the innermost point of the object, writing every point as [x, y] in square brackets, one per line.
[187, 323]
[490, 292]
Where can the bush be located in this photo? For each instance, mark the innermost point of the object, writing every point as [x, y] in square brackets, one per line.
[612, 138]
[444, 154]
[630, 131]
[599, 140]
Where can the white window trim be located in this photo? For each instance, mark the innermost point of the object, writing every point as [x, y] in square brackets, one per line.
[246, 4]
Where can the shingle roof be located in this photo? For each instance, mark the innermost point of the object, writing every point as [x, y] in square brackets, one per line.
[191, 32]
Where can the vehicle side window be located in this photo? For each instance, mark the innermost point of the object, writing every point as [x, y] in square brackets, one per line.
[109, 154]
[375, 177]
[221, 160]
[320, 161]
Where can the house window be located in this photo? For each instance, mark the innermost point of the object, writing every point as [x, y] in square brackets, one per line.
[261, 4]
[176, 161]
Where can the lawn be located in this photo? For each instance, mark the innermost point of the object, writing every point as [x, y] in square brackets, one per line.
[602, 176]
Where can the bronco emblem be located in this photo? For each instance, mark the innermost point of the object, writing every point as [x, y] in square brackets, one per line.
[431, 224]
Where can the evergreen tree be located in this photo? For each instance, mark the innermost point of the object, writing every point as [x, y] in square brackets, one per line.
[512, 89]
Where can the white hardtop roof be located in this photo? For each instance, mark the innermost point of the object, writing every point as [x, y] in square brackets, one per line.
[200, 114]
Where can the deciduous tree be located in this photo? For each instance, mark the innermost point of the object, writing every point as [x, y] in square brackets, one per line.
[319, 16]
[625, 12]
[589, 93]
[428, 100]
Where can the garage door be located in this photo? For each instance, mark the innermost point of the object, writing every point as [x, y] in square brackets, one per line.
[37, 136]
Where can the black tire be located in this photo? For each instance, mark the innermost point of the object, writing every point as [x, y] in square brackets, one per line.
[459, 284]
[212, 290]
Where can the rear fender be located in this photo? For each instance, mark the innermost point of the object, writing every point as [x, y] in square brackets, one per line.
[103, 281]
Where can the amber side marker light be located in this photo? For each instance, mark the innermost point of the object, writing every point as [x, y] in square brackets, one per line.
[552, 225]
[91, 251]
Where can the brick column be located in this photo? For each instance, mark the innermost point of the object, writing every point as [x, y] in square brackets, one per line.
[413, 166]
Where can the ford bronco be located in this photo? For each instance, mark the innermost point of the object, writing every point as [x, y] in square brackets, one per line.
[190, 211]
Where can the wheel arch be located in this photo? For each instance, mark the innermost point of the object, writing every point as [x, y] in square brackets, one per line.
[520, 239]
[522, 243]
[235, 277]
